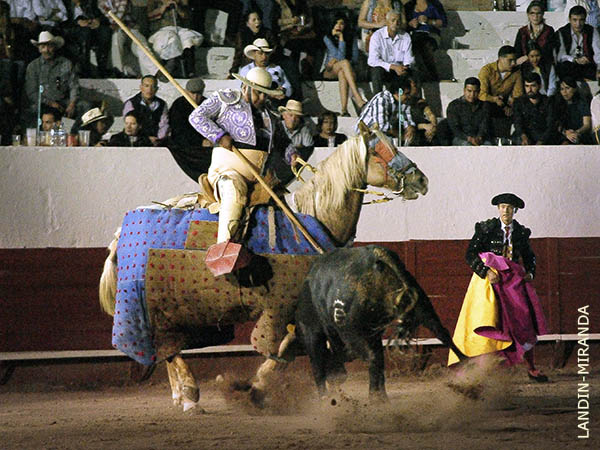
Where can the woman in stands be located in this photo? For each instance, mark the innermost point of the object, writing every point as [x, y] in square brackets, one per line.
[543, 69]
[425, 19]
[327, 137]
[536, 30]
[573, 111]
[342, 52]
[251, 30]
[372, 17]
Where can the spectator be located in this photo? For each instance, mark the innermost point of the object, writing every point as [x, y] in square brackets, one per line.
[50, 117]
[231, 7]
[423, 116]
[327, 125]
[98, 124]
[372, 16]
[573, 111]
[50, 14]
[266, 7]
[342, 52]
[382, 110]
[171, 37]
[128, 59]
[501, 84]
[23, 21]
[132, 135]
[152, 110]
[87, 29]
[534, 64]
[533, 115]
[11, 70]
[595, 111]
[57, 76]
[469, 117]
[248, 33]
[258, 52]
[425, 19]
[191, 150]
[299, 133]
[579, 47]
[390, 52]
[537, 31]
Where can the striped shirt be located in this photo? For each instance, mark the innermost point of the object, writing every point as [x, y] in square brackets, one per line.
[382, 109]
[277, 75]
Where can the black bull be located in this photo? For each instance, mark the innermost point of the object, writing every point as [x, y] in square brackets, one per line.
[348, 299]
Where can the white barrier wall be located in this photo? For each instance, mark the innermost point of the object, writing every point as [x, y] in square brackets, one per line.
[76, 197]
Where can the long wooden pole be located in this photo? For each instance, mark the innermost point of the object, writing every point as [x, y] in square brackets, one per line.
[239, 154]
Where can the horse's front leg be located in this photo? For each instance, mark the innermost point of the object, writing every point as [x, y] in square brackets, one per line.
[190, 394]
[376, 371]
[174, 382]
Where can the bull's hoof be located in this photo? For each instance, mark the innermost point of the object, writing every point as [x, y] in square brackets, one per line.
[191, 393]
[257, 397]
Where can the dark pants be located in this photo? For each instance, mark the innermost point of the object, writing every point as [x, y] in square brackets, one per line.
[379, 76]
[577, 71]
[232, 7]
[81, 40]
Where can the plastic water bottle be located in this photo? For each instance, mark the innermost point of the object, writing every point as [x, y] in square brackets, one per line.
[61, 136]
[54, 135]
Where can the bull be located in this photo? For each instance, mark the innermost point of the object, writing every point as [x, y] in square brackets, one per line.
[350, 296]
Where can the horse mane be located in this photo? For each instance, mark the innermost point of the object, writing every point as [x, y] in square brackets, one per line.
[341, 171]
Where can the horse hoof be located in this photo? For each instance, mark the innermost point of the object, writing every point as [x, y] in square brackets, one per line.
[191, 393]
[257, 397]
[177, 400]
[187, 406]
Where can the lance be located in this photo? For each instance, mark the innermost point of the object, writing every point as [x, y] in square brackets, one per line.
[290, 215]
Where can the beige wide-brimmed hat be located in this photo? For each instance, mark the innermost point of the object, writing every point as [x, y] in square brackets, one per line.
[258, 44]
[293, 107]
[259, 79]
[93, 115]
[46, 37]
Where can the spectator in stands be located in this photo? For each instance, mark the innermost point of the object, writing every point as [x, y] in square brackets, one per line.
[537, 31]
[534, 64]
[382, 110]
[50, 14]
[425, 18]
[579, 47]
[231, 7]
[11, 69]
[258, 52]
[423, 116]
[128, 59]
[132, 134]
[327, 124]
[390, 52]
[57, 76]
[98, 123]
[469, 117]
[298, 131]
[191, 150]
[342, 52]
[266, 7]
[171, 37]
[87, 29]
[152, 110]
[501, 84]
[533, 115]
[50, 117]
[252, 29]
[22, 19]
[595, 111]
[573, 114]
[372, 16]
[296, 33]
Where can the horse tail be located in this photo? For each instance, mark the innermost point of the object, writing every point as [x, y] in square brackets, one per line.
[108, 279]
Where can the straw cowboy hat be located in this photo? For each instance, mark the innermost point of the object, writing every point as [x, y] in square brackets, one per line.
[48, 38]
[293, 107]
[258, 44]
[259, 79]
[93, 115]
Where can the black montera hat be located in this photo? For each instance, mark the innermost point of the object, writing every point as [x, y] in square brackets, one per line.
[509, 198]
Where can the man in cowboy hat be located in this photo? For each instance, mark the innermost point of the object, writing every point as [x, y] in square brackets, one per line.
[508, 315]
[259, 52]
[57, 77]
[300, 133]
[98, 123]
[239, 118]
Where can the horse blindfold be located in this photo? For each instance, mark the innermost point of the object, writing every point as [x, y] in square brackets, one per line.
[394, 159]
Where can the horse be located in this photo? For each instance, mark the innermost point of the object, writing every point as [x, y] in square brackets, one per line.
[349, 298]
[171, 307]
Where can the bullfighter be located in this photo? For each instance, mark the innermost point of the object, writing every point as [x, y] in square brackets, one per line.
[501, 311]
[239, 118]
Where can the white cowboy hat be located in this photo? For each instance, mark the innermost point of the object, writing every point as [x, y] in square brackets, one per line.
[48, 38]
[93, 115]
[259, 79]
[293, 107]
[258, 44]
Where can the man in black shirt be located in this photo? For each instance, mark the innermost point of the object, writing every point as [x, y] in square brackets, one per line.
[468, 117]
[533, 115]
